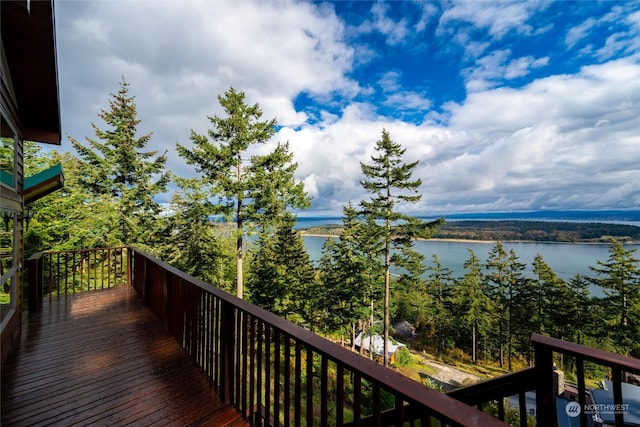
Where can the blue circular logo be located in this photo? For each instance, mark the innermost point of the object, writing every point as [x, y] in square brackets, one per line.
[572, 409]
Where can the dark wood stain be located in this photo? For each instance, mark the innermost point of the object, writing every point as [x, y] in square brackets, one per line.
[102, 358]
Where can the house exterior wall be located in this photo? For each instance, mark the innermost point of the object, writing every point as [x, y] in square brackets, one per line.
[11, 203]
[30, 110]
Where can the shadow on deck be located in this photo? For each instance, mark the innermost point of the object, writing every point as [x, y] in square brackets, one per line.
[102, 358]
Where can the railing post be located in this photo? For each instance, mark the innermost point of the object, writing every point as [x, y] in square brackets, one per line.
[616, 379]
[545, 393]
[227, 344]
[34, 272]
[129, 264]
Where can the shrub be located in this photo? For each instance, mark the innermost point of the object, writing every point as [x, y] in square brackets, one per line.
[403, 357]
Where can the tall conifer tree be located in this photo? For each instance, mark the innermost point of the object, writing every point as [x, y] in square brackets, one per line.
[388, 180]
[117, 169]
[252, 189]
[619, 278]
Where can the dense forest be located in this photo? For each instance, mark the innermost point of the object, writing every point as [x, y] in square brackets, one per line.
[486, 316]
[520, 230]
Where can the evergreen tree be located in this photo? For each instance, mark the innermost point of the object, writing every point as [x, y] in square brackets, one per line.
[550, 294]
[194, 244]
[281, 276]
[516, 290]
[619, 278]
[497, 281]
[388, 180]
[116, 169]
[472, 304]
[439, 286]
[71, 218]
[344, 270]
[577, 305]
[252, 189]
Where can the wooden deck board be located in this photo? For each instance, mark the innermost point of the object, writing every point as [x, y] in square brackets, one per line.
[102, 358]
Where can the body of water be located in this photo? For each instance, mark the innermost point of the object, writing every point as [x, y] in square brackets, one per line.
[565, 259]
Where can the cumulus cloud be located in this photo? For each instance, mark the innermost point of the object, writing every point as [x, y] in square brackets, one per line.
[179, 56]
[563, 140]
[496, 67]
[497, 17]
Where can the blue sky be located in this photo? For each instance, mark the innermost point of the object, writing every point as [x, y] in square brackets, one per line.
[508, 106]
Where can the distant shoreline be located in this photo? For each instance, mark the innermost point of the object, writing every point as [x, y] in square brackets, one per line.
[451, 240]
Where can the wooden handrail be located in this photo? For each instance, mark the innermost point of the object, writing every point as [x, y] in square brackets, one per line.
[247, 345]
[602, 357]
[81, 270]
[539, 378]
[258, 361]
[497, 388]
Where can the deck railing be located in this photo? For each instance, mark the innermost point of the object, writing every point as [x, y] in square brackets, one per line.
[76, 271]
[543, 380]
[280, 374]
[274, 372]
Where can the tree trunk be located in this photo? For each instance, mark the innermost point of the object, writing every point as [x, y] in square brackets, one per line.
[473, 345]
[239, 284]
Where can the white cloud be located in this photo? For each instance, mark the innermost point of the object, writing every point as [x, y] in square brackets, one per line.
[560, 142]
[496, 17]
[179, 56]
[567, 140]
[491, 70]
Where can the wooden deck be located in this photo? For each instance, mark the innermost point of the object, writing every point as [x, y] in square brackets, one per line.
[101, 358]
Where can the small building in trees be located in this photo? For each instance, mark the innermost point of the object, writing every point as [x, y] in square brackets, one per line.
[30, 111]
[375, 344]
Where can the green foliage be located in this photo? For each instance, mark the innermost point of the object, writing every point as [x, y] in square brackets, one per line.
[402, 357]
[542, 231]
[472, 307]
[281, 277]
[619, 277]
[116, 170]
[195, 244]
[251, 189]
[70, 218]
[388, 180]
[350, 275]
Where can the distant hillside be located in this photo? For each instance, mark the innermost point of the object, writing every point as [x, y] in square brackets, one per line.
[538, 231]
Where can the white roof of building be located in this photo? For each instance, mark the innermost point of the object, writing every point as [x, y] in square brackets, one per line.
[377, 343]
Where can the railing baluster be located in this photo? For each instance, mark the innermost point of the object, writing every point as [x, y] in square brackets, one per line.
[340, 395]
[582, 390]
[298, 384]
[545, 396]
[500, 409]
[286, 413]
[267, 374]
[616, 379]
[276, 378]
[216, 343]
[324, 391]
[309, 387]
[239, 351]
[377, 405]
[399, 407]
[522, 405]
[357, 399]
[260, 334]
[245, 356]
[252, 371]
[95, 271]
